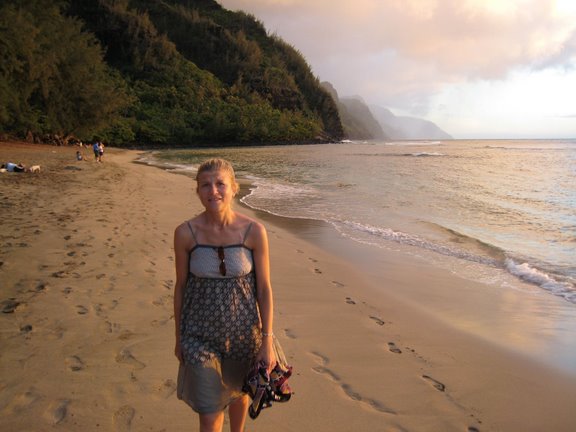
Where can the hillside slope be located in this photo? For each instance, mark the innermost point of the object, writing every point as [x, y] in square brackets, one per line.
[164, 73]
[407, 128]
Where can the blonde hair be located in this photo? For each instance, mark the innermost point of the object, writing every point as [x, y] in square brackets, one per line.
[217, 164]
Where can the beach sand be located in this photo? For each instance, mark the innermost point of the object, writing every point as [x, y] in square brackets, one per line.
[86, 277]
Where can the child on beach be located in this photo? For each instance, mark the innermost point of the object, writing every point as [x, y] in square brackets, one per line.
[222, 301]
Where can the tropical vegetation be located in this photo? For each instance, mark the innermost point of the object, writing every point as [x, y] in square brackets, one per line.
[155, 73]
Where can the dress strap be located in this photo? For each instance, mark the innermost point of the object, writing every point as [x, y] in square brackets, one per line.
[247, 232]
[192, 231]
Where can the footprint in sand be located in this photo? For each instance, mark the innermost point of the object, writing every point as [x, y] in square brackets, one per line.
[41, 286]
[163, 300]
[167, 388]
[322, 369]
[26, 328]
[437, 384]
[393, 348]
[158, 323]
[123, 418]
[350, 301]
[338, 284]
[126, 335]
[10, 305]
[126, 357]
[378, 321]
[57, 411]
[112, 327]
[74, 363]
[24, 401]
[347, 388]
[289, 334]
[81, 310]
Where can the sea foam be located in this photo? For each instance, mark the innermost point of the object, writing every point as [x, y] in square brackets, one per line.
[532, 275]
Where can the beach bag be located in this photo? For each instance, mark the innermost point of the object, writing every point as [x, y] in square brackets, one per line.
[264, 388]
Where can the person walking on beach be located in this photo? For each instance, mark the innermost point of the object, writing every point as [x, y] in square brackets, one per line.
[96, 150]
[100, 151]
[223, 301]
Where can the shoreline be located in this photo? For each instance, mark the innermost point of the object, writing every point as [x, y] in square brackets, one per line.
[88, 255]
[517, 320]
[456, 295]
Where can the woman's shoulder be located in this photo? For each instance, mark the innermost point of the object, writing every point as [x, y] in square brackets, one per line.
[187, 228]
[193, 222]
[254, 232]
[247, 223]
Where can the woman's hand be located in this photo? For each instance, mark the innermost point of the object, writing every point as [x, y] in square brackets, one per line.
[266, 354]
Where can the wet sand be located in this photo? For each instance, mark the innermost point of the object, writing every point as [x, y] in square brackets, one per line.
[87, 329]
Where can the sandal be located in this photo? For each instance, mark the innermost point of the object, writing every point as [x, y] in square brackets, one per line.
[265, 388]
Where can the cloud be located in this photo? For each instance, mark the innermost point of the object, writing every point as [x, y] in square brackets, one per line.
[408, 54]
[454, 34]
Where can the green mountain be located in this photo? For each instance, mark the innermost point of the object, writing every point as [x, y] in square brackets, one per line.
[357, 120]
[155, 72]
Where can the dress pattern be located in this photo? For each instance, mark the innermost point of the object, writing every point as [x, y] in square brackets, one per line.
[220, 319]
[219, 327]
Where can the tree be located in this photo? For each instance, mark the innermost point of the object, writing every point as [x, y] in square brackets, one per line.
[52, 75]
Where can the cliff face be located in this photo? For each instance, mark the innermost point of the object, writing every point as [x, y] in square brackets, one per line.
[363, 122]
[407, 128]
[357, 120]
[367, 127]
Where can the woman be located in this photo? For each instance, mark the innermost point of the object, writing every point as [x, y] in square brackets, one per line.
[222, 301]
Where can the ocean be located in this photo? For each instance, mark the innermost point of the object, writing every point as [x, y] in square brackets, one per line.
[502, 212]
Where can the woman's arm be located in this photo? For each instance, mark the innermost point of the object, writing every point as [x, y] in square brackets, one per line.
[182, 241]
[259, 246]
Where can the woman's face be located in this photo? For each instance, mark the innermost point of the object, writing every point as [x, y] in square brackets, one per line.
[215, 189]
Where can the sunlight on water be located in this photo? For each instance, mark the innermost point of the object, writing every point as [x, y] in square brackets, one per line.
[504, 204]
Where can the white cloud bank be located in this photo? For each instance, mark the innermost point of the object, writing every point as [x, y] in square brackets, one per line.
[469, 65]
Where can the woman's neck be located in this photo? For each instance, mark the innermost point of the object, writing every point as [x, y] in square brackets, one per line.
[219, 220]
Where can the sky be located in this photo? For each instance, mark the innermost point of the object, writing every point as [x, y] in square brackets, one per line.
[477, 68]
